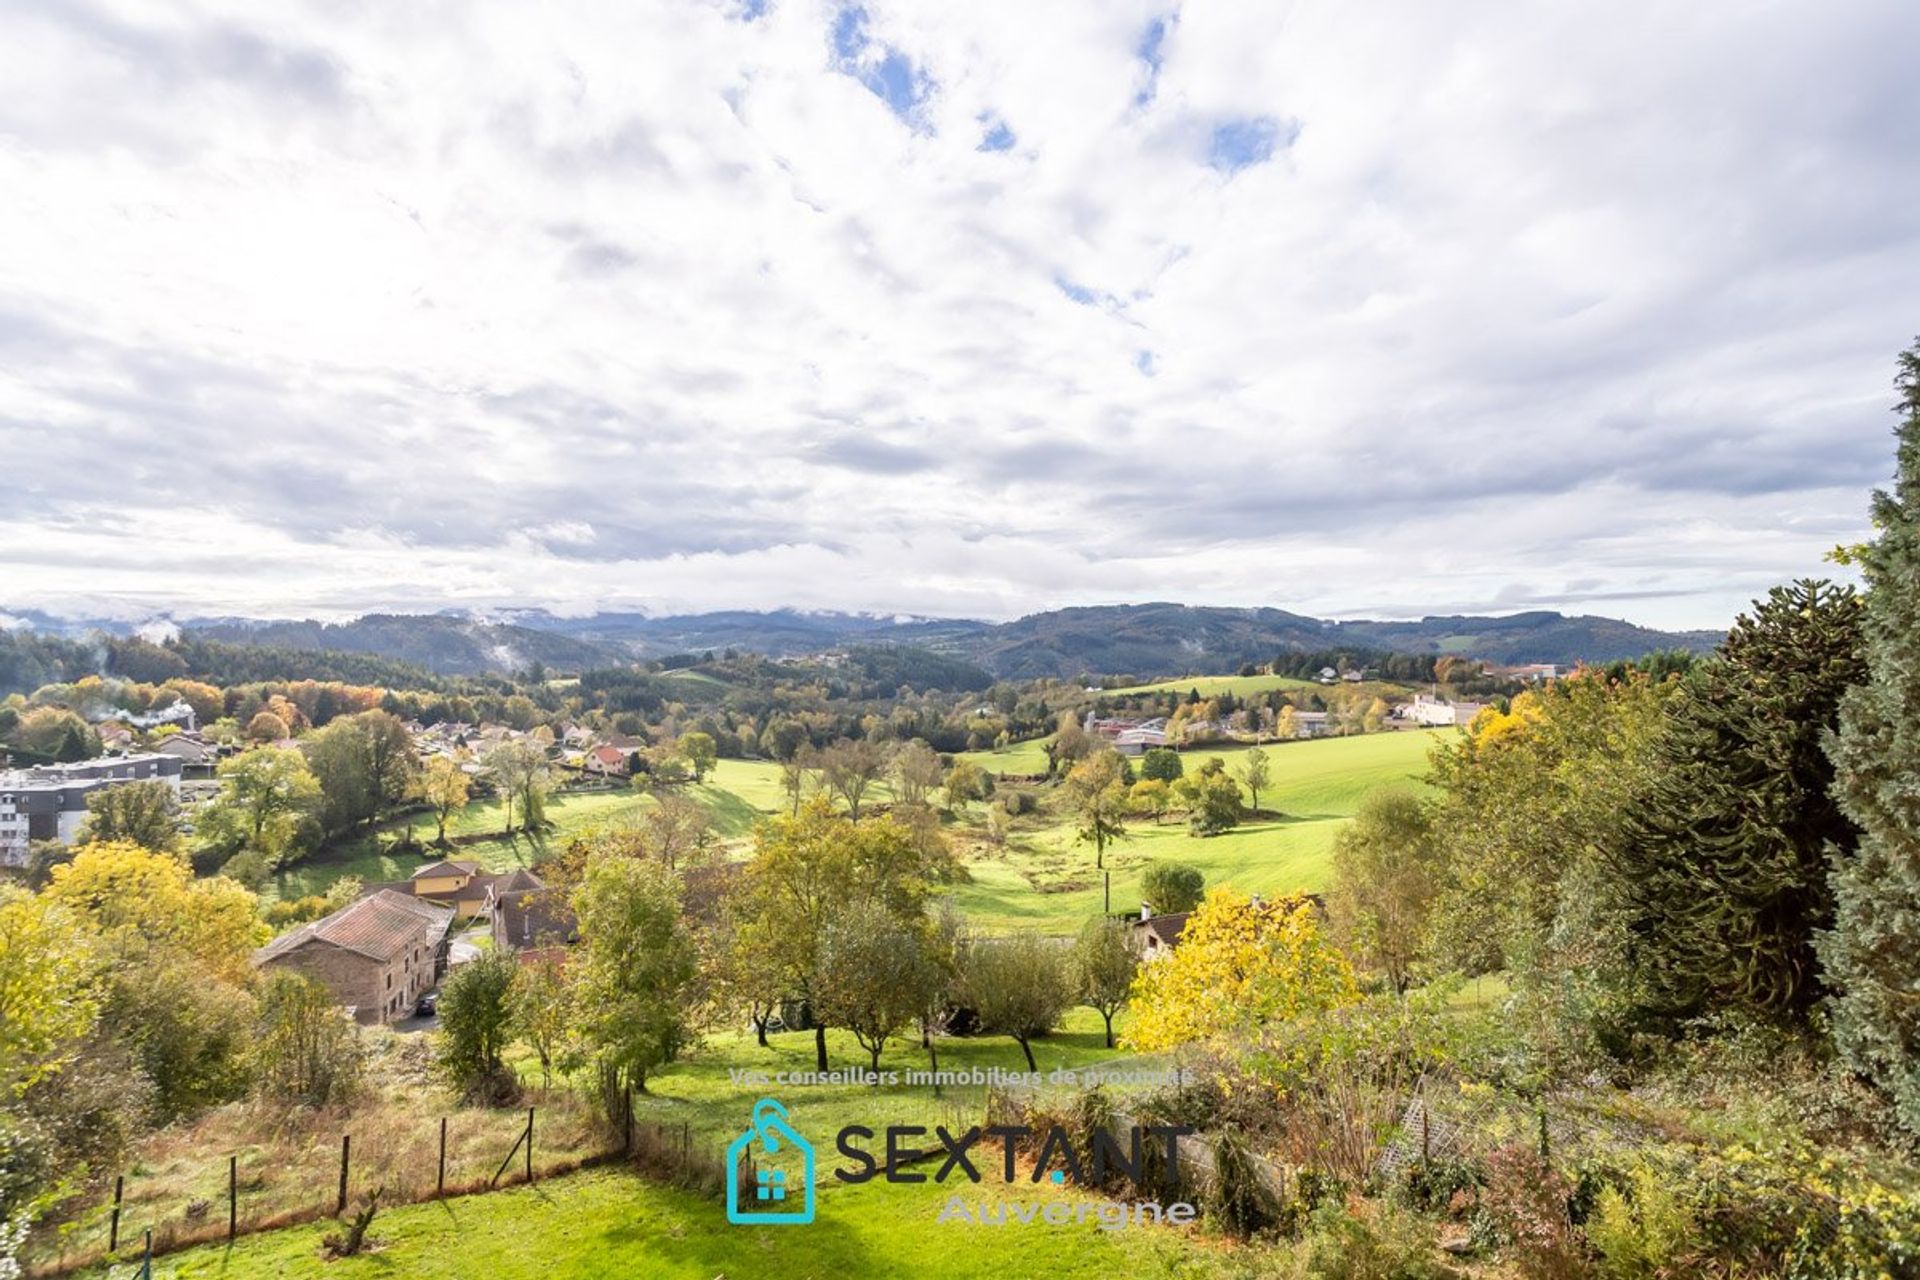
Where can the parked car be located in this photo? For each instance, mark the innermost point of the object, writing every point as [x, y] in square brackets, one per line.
[429, 1005]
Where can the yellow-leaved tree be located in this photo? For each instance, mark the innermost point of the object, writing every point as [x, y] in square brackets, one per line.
[1239, 965]
[137, 902]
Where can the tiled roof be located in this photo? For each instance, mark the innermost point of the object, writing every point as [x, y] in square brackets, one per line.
[379, 926]
[1165, 929]
[535, 916]
[450, 867]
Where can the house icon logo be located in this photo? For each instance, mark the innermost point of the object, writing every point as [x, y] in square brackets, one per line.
[767, 1163]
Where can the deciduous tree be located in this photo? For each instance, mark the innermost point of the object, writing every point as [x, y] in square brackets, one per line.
[1104, 964]
[1238, 966]
[1387, 874]
[1019, 986]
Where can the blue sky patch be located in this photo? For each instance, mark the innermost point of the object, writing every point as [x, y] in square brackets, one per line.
[887, 72]
[1145, 362]
[1238, 144]
[998, 136]
[1149, 51]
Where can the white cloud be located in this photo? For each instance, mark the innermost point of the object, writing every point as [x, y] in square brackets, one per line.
[320, 308]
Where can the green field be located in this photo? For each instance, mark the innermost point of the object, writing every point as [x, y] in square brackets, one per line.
[1040, 879]
[1211, 686]
[1021, 758]
[737, 794]
[1044, 880]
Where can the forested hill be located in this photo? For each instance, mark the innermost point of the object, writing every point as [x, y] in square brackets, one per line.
[1144, 640]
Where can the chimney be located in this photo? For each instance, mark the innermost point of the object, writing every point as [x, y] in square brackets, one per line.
[1146, 912]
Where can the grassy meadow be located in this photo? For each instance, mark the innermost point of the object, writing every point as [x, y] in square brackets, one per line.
[1040, 878]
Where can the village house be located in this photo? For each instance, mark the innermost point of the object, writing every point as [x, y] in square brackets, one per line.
[1155, 936]
[1438, 712]
[197, 757]
[378, 955]
[528, 917]
[465, 886]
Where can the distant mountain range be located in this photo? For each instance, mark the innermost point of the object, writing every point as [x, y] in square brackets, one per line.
[1143, 639]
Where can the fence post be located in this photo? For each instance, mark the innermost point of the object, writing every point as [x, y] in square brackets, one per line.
[233, 1196]
[1545, 1153]
[113, 1223]
[529, 1144]
[346, 1152]
[627, 1148]
[146, 1265]
[441, 1188]
[1108, 877]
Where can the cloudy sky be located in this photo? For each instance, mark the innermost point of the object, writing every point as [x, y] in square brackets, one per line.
[971, 308]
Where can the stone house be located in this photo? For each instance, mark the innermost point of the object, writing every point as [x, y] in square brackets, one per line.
[378, 955]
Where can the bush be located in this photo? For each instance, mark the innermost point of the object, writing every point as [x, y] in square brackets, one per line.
[1641, 1231]
[1172, 887]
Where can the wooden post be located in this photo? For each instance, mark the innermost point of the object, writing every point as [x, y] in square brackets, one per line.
[146, 1266]
[529, 1144]
[1108, 877]
[628, 1147]
[346, 1153]
[233, 1196]
[113, 1223]
[441, 1189]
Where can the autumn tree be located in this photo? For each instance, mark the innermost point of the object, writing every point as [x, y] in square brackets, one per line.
[966, 782]
[1096, 788]
[806, 873]
[849, 768]
[1386, 876]
[48, 994]
[305, 1048]
[677, 831]
[268, 796]
[1255, 772]
[541, 1005]
[916, 772]
[177, 955]
[1239, 966]
[445, 787]
[1104, 964]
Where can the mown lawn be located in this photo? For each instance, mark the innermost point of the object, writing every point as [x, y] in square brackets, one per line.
[610, 1223]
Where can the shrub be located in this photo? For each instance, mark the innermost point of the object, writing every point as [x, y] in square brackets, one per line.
[1172, 887]
[1526, 1202]
[1640, 1231]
